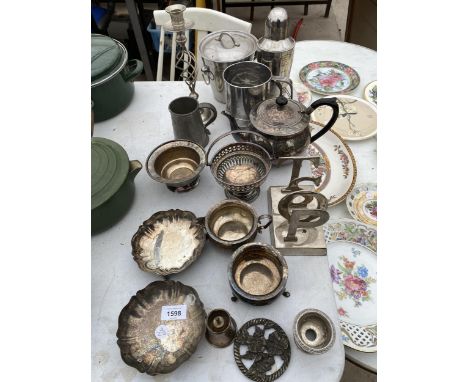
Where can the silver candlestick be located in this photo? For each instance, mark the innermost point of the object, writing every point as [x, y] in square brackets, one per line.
[185, 60]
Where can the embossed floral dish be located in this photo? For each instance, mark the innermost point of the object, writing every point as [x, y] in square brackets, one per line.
[302, 93]
[337, 167]
[352, 257]
[329, 77]
[168, 242]
[357, 119]
[370, 92]
[362, 203]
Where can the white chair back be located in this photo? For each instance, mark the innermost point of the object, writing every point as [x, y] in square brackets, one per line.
[205, 20]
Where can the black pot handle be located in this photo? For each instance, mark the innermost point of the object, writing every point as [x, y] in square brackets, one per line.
[331, 102]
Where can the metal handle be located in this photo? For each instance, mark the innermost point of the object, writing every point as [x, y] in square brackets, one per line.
[237, 132]
[132, 69]
[261, 226]
[207, 74]
[278, 79]
[213, 114]
[220, 39]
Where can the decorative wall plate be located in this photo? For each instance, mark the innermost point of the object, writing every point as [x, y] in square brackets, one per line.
[329, 77]
[168, 242]
[337, 166]
[357, 120]
[352, 256]
[266, 352]
[302, 93]
[362, 203]
[370, 93]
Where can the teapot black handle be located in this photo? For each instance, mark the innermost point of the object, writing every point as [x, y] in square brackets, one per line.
[331, 102]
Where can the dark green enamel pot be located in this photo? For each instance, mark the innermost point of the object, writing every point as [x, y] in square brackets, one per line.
[112, 186]
[111, 77]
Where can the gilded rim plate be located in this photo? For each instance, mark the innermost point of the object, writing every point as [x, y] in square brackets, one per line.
[370, 93]
[352, 257]
[357, 119]
[329, 77]
[302, 93]
[362, 203]
[337, 166]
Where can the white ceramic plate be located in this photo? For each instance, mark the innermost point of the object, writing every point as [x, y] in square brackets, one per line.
[362, 203]
[370, 93]
[357, 120]
[337, 166]
[352, 257]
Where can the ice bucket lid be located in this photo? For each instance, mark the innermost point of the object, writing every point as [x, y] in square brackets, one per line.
[227, 46]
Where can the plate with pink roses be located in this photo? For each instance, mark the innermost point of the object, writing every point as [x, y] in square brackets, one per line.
[352, 258]
[329, 77]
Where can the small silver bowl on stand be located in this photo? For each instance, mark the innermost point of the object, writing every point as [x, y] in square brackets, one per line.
[257, 273]
[177, 164]
[220, 328]
[314, 332]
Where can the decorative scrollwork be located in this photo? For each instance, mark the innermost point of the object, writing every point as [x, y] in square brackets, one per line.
[262, 350]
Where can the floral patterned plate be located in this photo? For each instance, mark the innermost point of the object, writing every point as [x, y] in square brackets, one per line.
[302, 93]
[329, 77]
[337, 166]
[357, 119]
[352, 256]
[362, 203]
[370, 93]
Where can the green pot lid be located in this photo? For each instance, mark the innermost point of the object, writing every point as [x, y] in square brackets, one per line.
[109, 169]
[108, 57]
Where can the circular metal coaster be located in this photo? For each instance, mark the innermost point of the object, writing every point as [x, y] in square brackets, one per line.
[262, 349]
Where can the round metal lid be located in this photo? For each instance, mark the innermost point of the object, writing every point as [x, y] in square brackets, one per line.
[108, 57]
[227, 46]
[109, 169]
[279, 117]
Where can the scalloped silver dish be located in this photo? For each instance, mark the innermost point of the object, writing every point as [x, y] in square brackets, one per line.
[168, 242]
[153, 344]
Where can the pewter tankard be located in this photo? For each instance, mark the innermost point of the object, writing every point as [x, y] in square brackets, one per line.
[190, 119]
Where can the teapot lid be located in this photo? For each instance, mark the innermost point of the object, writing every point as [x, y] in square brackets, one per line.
[279, 117]
[109, 169]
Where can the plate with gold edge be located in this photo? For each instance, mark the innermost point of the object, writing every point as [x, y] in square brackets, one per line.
[362, 203]
[337, 166]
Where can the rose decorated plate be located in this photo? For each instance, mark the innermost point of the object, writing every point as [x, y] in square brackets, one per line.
[329, 77]
[362, 203]
[356, 121]
[337, 166]
[352, 257]
[370, 93]
[302, 93]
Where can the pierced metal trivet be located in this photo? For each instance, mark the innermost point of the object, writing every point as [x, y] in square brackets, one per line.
[262, 350]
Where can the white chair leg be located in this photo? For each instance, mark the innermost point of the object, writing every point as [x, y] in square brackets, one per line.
[173, 55]
[161, 55]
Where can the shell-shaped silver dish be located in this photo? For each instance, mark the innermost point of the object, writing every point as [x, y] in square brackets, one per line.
[156, 346]
[168, 242]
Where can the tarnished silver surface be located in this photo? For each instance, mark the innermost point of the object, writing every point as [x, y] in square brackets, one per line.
[314, 331]
[220, 328]
[156, 346]
[176, 163]
[257, 273]
[276, 47]
[221, 49]
[240, 168]
[298, 217]
[168, 242]
[231, 223]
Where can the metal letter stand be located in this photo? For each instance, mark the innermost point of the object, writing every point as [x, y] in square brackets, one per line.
[298, 214]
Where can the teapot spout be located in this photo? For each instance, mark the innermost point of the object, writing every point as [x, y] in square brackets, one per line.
[232, 121]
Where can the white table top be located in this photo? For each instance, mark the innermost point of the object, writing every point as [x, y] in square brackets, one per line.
[364, 61]
[116, 277]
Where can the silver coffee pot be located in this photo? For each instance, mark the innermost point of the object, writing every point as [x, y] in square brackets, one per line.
[276, 47]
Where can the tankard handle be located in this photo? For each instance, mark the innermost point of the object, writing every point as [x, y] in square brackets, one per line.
[278, 80]
[330, 102]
